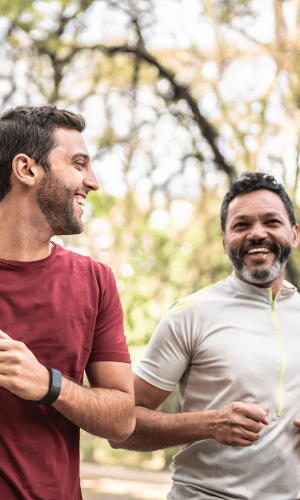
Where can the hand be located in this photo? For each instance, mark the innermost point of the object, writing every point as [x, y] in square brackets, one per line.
[296, 422]
[239, 424]
[20, 371]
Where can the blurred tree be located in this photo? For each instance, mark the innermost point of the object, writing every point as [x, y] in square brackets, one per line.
[171, 120]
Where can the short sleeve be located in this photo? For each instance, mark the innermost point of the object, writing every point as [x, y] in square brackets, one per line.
[168, 355]
[109, 343]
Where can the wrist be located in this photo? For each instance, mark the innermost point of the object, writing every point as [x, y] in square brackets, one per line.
[211, 424]
[54, 387]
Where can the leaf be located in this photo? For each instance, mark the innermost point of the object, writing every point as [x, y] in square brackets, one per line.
[11, 9]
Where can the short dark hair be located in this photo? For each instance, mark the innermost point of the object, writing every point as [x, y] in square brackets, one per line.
[249, 182]
[30, 130]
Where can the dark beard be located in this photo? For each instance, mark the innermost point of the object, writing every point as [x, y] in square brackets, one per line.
[55, 200]
[261, 275]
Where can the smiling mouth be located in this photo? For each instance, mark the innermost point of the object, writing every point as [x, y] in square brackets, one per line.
[80, 200]
[255, 250]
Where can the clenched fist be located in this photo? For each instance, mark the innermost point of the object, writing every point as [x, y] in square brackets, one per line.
[20, 371]
[239, 424]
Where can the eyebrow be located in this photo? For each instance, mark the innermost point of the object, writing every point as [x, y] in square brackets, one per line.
[246, 217]
[272, 214]
[82, 155]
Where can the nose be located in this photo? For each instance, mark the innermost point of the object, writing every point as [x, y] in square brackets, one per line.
[90, 180]
[257, 231]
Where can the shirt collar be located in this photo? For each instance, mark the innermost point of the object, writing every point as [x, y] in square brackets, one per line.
[287, 288]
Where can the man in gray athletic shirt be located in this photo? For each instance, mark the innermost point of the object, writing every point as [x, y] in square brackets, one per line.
[234, 350]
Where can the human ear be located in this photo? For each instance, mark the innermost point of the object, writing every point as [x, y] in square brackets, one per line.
[224, 242]
[295, 233]
[24, 170]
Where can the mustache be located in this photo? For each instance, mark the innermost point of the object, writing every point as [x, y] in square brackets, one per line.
[259, 243]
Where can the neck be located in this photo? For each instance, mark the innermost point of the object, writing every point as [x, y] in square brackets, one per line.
[23, 237]
[18, 251]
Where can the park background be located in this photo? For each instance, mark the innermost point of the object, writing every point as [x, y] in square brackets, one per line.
[179, 97]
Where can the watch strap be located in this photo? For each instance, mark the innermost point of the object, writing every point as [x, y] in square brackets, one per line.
[54, 387]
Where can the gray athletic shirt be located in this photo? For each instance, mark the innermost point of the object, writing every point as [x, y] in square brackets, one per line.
[231, 342]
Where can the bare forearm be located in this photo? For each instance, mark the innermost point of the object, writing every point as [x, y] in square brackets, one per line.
[107, 413]
[157, 430]
[105, 409]
[236, 424]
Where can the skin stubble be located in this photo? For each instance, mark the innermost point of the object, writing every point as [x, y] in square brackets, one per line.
[56, 200]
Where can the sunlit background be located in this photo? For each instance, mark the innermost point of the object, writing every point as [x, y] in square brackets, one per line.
[179, 96]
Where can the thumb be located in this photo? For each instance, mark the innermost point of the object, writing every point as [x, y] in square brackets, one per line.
[296, 422]
[265, 421]
[4, 336]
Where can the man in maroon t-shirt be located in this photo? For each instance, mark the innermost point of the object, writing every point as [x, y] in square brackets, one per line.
[60, 312]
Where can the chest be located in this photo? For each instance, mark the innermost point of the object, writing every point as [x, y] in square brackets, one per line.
[53, 314]
[248, 354]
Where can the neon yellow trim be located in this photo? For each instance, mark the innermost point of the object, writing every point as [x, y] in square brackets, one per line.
[280, 349]
[190, 300]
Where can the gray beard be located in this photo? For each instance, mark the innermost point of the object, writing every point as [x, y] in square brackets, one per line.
[258, 276]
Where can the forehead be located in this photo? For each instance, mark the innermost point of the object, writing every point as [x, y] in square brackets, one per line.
[68, 143]
[257, 203]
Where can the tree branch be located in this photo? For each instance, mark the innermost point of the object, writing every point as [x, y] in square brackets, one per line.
[180, 91]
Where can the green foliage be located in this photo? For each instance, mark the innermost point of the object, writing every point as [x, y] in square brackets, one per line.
[12, 9]
[146, 122]
[154, 267]
[102, 203]
[230, 10]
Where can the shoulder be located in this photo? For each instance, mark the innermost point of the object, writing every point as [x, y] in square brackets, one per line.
[207, 297]
[76, 263]
[289, 292]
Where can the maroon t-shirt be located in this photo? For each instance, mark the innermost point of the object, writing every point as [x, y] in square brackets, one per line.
[67, 310]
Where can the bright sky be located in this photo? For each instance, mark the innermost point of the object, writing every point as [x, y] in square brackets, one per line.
[180, 24]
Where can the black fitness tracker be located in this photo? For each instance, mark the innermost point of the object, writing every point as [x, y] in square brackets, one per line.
[54, 387]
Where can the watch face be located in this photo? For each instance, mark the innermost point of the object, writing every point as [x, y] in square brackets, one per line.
[56, 378]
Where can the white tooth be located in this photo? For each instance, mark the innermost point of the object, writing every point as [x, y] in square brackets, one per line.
[81, 201]
[256, 250]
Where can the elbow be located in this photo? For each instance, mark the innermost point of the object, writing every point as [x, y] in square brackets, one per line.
[114, 444]
[123, 432]
[124, 426]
